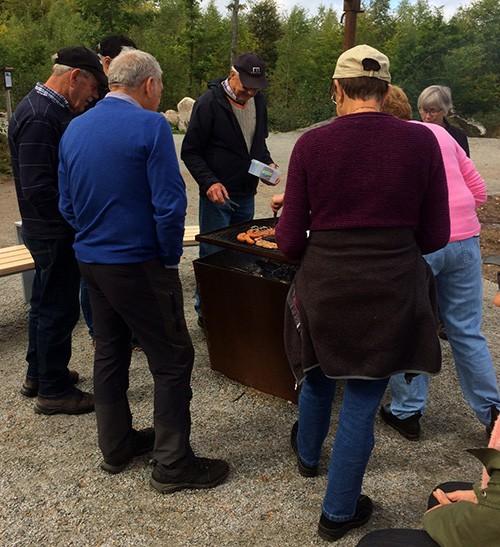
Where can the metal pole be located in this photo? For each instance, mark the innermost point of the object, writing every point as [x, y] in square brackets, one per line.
[351, 10]
[9, 104]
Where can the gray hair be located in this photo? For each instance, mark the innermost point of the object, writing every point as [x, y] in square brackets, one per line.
[437, 97]
[132, 67]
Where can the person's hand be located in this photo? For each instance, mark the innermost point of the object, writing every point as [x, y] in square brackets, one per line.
[217, 193]
[453, 497]
[462, 495]
[277, 202]
[275, 166]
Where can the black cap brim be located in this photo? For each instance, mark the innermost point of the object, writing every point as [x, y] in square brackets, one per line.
[101, 78]
[254, 82]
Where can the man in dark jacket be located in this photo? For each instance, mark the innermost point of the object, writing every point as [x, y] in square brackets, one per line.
[34, 134]
[228, 128]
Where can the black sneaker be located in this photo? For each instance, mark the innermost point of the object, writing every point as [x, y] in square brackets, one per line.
[304, 470]
[494, 415]
[143, 442]
[409, 427]
[442, 332]
[201, 322]
[199, 473]
[332, 531]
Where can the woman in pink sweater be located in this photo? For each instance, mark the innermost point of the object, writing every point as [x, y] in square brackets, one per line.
[457, 268]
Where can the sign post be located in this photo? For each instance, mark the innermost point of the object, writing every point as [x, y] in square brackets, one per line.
[7, 84]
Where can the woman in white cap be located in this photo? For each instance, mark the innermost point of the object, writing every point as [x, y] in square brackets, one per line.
[371, 191]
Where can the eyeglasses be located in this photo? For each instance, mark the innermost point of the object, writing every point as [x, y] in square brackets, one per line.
[430, 111]
[333, 97]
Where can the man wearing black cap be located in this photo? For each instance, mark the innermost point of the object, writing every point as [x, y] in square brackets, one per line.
[34, 134]
[111, 46]
[228, 128]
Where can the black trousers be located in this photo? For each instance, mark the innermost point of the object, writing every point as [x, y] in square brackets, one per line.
[54, 311]
[399, 537]
[147, 299]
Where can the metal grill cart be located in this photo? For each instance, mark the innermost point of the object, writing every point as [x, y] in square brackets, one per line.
[243, 290]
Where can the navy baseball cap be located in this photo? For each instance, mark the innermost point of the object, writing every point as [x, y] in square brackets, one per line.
[252, 70]
[83, 58]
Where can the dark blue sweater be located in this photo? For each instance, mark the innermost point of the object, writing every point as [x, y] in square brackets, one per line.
[34, 134]
[120, 185]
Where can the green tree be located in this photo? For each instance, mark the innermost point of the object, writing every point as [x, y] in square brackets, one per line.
[264, 23]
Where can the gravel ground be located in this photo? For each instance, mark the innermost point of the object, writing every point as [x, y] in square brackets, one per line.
[55, 494]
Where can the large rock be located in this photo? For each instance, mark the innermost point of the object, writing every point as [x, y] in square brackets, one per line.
[172, 117]
[471, 127]
[185, 107]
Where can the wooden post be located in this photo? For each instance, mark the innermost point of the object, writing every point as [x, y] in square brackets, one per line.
[235, 7]
[7, 84]
[9, 104]
[351, 10]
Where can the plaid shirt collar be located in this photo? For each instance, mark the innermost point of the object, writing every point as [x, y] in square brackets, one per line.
[54, 96]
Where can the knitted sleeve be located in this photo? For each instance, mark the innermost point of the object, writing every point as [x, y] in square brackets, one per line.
[291, 231]
[168, 193]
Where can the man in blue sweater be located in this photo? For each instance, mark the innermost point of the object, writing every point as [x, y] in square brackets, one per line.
[121, 190]
[34, 134]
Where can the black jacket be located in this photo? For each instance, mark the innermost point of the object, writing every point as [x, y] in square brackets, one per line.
[214, 149]
[458, 135]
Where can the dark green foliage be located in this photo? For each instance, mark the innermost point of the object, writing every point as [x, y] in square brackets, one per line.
[265, 24]
[193, 45]
[4, 156]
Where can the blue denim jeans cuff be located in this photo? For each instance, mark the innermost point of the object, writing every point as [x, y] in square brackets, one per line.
[336, 518]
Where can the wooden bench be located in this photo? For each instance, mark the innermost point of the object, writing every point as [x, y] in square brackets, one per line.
[189, 235]
[17, 259]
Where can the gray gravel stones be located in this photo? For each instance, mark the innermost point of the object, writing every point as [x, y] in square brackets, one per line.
[53, 491]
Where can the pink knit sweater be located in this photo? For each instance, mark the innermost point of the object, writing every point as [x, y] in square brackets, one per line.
[466, 187]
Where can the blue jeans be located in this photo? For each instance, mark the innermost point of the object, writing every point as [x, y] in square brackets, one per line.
[354, 439]
[53, 314]
[457, 268]
[214, 217]
[86, 309]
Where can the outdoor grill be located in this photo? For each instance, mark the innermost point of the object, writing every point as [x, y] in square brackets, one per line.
[243, 291]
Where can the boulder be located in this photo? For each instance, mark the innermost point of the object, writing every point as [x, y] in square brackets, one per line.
[172, 117]
[471, 127]
[185, 107]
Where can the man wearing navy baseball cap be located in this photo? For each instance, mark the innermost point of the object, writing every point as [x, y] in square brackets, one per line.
[228, 128]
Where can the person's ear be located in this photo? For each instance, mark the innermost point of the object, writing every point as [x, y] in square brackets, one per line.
[73, 76]
[106, 61]
[386, 94]
[339, 93]
[149, 84]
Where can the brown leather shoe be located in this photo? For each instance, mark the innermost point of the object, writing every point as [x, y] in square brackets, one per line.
[75, 402]
[30, 387]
